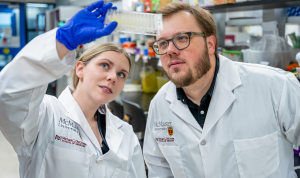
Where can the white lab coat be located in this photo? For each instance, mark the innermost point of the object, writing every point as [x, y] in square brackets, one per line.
[51, 136]
[249, 131]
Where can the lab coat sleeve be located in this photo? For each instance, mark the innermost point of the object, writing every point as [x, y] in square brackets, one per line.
[137, 166]
[23, 83]
[157, 165]
[289, 109]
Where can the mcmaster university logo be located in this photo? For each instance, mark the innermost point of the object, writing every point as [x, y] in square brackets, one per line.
[170, 131]
[68, 124]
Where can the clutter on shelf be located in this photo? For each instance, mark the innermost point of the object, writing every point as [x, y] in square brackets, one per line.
[218, 2]
[270, 49]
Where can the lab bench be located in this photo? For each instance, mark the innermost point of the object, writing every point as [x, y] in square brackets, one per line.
[140, 98]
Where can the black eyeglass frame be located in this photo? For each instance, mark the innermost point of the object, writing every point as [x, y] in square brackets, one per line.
[172, 39]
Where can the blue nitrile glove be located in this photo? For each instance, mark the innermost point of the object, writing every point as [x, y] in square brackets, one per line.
[86, 26]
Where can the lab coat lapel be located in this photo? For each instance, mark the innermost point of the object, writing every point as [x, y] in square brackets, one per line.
[181, 109]
[75, 113]
[114, 135]
[227, 80]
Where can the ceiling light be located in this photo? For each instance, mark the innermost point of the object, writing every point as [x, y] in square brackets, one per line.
[36, 5]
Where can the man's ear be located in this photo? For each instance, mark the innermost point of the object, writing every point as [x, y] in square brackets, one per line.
[211, 43]
[79, 69]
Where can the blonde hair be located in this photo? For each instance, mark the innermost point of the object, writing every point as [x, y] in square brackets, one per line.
[95, 50]
[204, 18]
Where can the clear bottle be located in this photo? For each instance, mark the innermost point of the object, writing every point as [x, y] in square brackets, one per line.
[298, 73]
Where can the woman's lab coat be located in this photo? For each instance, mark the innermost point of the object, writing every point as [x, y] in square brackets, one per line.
[51, 136]
[249, 131]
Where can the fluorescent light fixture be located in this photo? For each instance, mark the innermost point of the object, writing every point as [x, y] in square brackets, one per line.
[36, 5]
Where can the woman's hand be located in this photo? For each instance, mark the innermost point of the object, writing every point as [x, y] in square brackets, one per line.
[86, 26]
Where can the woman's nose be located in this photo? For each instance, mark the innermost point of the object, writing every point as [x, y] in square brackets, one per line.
[111, 77]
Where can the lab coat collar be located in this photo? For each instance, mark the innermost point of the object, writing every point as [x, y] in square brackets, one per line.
[181, 109]
[113, 134]
[227, 80]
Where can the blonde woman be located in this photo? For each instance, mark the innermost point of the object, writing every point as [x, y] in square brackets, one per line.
[74, 135]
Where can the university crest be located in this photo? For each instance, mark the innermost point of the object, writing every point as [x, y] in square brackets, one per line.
[170, 131]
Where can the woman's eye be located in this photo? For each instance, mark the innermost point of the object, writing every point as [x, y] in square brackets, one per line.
[105, 66]
[121, 75]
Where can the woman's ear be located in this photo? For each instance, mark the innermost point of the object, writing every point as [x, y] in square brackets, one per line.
[211, 43]
[79, 69]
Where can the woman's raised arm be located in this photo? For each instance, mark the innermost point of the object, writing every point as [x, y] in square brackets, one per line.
[24, 81]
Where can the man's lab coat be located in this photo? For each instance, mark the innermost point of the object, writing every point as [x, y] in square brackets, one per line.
[249, 131]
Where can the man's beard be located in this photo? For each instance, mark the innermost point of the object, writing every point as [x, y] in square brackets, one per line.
[201, 67]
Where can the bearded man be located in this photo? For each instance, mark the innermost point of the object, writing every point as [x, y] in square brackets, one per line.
[217, 118]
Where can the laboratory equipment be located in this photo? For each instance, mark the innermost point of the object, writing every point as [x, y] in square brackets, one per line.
[135, 22]
[279, 59]
[161, 80]
[233, 55]
[298, 58]
[148, 79]
[298, 72]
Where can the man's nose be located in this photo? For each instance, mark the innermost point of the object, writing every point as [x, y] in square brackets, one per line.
[172, 50]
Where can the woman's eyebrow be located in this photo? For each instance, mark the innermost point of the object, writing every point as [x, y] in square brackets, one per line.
[111, 63]
[123, 70]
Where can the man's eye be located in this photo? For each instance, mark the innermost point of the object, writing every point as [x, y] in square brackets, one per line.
[182, 38]
[121, 75]
[105, 66]
[163, 44]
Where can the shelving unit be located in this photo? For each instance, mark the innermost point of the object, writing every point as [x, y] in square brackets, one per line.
[254, 5]
[243, 22]
[293, 19]
[272, 10]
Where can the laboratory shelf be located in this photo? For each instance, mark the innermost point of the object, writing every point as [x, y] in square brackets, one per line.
[253, 5]
[259, 21]
[244, 22]
[295, 19]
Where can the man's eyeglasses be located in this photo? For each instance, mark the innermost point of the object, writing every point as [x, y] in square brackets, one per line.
[181, 41]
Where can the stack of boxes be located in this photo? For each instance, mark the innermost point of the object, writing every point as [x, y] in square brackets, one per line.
[151, 5]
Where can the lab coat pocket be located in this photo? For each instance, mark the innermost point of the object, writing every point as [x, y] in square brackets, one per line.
[258, 157]
[173, 157]
[61, 163]
[120, 174]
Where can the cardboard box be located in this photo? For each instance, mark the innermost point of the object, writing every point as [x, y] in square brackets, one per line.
[218, 2]
[162, 3]
[147, 6]
[208, 3]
